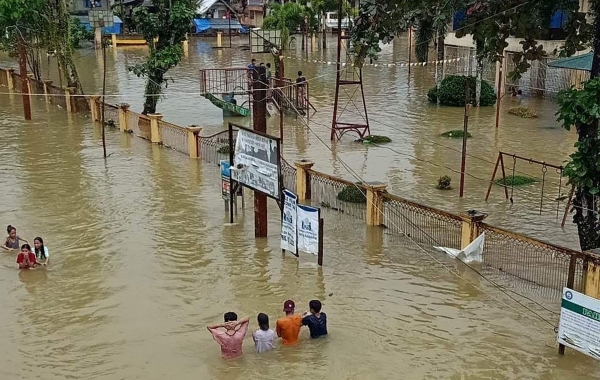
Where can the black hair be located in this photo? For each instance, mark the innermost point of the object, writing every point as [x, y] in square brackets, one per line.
[230, 316]
[253, 60]
[520, 92]
[315, 305]
[26, 246]
[269, 65]
[10, 228]
[299, 73]
[41, 252]
[262, 64]
[263, 321]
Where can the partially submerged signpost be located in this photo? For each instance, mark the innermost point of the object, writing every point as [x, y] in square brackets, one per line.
[579, 324]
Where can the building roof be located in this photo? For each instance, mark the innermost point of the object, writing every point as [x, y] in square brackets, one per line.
[579, 62]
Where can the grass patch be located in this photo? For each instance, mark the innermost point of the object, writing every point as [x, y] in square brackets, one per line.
[375, 139]
[444, 183]
[518, 180]
[352, 194]
[224, 149]
[523, 112]
[456, 134]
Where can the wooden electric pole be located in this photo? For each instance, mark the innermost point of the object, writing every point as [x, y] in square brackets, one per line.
[24, 77]
[259, 119]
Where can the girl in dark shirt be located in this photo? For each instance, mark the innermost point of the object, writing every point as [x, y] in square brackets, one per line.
[12, 241]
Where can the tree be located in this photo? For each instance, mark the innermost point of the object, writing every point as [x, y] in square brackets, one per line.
[321, 7]
[164, 27]
[42, 25]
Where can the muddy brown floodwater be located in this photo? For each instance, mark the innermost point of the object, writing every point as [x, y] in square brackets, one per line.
[142, 258]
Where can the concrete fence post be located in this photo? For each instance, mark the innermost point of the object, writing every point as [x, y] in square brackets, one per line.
[68, 100]
[193, 136]
[123, 117]
[471, 227]
[155, 136]
[30, 77]
[47, 85]
[375, 192]
[219, 39]
[185, 45]
[113, 40]
[95, 107]
[303, 179]
[10, 79]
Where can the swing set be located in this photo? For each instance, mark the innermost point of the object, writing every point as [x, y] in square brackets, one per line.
[544, 168]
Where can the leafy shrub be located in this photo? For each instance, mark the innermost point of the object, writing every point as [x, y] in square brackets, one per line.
[452, 92]
[518, 180]
[523, 112]
[375, 139]
[224, 149]
[444, 183]
[79, 33]
[456, 134]
[352, 194]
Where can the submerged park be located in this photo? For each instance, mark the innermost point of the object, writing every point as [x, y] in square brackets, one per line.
[404, 148]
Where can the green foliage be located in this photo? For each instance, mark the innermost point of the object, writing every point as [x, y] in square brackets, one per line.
[375, 139]
[289, 16]
[517, 180]
[581, 108]
[352, 194]
[79, 33]
[168, 22]
[523, 112]
[456, 134]
[224, 149]
[444, 183]
[452, 92]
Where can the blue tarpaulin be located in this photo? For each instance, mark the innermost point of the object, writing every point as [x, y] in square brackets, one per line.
[216, 24]
[116, 29]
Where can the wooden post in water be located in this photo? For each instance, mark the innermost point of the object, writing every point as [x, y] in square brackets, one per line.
[463, 164]
[24, 78]
[320, 252]
[259, 114]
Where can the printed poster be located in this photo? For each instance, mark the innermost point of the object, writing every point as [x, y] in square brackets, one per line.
[256, 163]
[288, 222]
[225, 179]
[579, 325]
[308, 229]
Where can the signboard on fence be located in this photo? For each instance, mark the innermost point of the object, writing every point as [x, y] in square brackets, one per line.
[256, 162]
[579, 325]
[288, 222]
[308, 229]
[225, 179]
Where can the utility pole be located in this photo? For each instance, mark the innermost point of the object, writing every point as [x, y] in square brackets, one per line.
[463, 164]
[24, 77]
[103, 94]
[259, 118]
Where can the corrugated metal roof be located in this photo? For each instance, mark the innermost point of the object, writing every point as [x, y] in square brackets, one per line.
[579, 62]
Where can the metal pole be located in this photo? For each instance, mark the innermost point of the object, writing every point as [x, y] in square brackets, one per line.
[24, 78]
[463, 163]
[338, 65]
[320, 252]
[498, 95]
[410, 34]
[259, 114]
[231, 183]
[103, 93]
[570, 283]
[230, 29]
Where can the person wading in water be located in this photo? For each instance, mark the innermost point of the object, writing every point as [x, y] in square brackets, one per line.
[12, 241]
[232, 337]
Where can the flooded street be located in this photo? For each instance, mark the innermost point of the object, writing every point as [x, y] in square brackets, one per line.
[142, 258]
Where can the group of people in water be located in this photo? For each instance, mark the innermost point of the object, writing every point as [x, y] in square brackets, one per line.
[27, 258]
[230, 334]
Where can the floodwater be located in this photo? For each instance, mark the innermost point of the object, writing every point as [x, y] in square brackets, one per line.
[142, 260]
[398, 108]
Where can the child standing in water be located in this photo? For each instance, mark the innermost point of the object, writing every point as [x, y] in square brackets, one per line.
[12, 241]
[264, 336]
[26, 258]
[41, 251]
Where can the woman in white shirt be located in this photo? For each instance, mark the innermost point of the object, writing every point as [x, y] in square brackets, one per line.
[263, 337]
[41, 251]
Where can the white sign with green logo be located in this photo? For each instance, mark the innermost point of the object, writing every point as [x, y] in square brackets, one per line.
[579, 325]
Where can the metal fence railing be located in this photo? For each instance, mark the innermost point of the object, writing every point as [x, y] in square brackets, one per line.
[174, 136]
[288, 172]
[215, 148]
[325, 190]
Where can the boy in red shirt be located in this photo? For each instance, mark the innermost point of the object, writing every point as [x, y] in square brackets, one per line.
[26, 258]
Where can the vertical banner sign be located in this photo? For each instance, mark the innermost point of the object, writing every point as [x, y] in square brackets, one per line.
[579, 325]
[288, 222]
[225, 179]
[308, 229]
